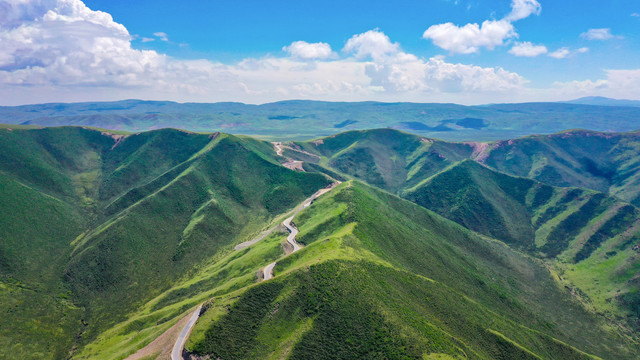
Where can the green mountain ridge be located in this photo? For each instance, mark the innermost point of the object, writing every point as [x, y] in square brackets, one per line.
[393, 302]
[132, 218]
[571, 225]
[138, 229]
[564, 224]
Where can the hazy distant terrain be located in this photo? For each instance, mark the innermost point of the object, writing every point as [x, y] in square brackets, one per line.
[308, 119]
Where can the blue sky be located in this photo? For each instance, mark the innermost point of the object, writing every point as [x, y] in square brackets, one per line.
[256, 51]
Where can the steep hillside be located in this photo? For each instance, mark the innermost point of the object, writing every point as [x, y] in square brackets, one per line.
[606, 162]
[570, 226]
[579, 229]
[396, 161]
[383, 278]
[109, 239]
[389, 159]
[119, 218]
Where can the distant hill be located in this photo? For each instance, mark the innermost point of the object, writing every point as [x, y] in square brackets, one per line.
[603, 101]
[300, 120]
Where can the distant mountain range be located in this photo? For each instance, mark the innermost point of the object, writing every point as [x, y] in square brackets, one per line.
[603, 101]
[310, 119]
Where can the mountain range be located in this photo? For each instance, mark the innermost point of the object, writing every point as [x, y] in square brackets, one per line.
[304, 120]
[418, 248]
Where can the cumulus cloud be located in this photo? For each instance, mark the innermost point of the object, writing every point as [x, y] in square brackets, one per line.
[394, 70]
[373, 43]
[597, 34]
[63, 43]
[309, 51]
[528, 49]
[60, 50]
[470, 38]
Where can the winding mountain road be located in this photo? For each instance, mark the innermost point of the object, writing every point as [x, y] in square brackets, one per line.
[178, 347]
[293, 231]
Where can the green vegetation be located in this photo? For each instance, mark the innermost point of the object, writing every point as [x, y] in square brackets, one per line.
[367, 288]
[563, 226]
[120, 220]
[139, 229]
[606, 162]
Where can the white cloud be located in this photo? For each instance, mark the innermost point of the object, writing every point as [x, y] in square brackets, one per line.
[160, 35]
[373, 43]
[528, 49]
[309, 51]
[560, 53]
[146, 39]
[69, 56]
[597, 34]
[617, 84]
[470, 38]
[521, 9]
[394, 70]
[564, 52]
[636, 15]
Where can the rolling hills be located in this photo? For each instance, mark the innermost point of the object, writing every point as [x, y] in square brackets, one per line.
[428, 249]
[299, 120]
[118, 220]
[384, 278]
[574, 229]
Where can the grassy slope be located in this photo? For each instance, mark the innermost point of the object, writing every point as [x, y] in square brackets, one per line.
[396, 161]
[571, 225]
[606, 162]
[386, 158]
[121, 223]
[583, 230]
[371, 284]
[177, 201]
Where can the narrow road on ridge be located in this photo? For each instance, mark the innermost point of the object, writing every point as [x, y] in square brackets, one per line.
[176, 354]
[178, 347]
[293, 231]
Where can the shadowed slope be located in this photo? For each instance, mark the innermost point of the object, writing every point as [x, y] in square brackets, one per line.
[120, 218]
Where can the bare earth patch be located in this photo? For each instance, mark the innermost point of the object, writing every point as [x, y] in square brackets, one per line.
[162, 346]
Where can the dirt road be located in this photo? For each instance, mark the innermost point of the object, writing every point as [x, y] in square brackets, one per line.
[176, 354]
